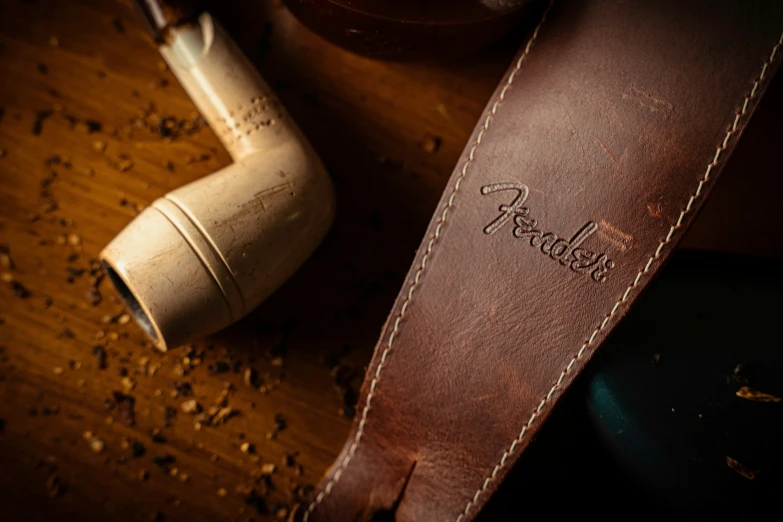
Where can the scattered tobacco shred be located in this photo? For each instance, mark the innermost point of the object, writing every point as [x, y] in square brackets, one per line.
[54, 486]
[19, 290]
[751, 394]
[126, 405]
[100, 354]
[280, 422]
[74, 271]
[741, 468]
[169, 414]
[93, 126]
[431, 144]
[5, 258]
[118, 26]
[257, 502]
[94, 296]
[137, 449]
[182, 388]
[343, 376]
[289, 460]
[40, 118]
[164, 461]
[219, 367]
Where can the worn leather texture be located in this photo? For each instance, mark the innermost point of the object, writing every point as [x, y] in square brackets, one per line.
[591, 160]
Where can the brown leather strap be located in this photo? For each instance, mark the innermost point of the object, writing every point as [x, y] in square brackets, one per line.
[592, 158]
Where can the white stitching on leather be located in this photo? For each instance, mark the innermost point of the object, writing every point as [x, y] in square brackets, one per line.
[450, 203]
[723, 146]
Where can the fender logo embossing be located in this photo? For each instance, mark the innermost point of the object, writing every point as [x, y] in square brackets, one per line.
[568, 253]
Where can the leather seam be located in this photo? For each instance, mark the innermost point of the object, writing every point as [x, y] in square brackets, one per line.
[417, 277]
[665, 241]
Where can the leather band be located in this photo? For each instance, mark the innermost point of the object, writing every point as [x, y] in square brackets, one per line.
[594, 155]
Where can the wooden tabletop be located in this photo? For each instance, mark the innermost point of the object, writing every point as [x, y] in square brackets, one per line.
[92, 425]
[82, 94]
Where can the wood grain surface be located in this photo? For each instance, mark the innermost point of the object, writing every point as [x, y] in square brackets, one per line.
[92, 128]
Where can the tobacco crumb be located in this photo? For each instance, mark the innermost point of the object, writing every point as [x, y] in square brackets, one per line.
[137, 449]
[169, 166]
[96, 444]
[125, 408]
[74, 272]
[256, 502]
[123, 319]
[100, 354]
[128, 384]
[94, 296]
[157, 437]
[52, 160]
[54, 486]
[5, 258]
[164, 461]
[182, 388]
[431, 144]
[48, 207]
[741, 468]
[110, 318]
[751, 394]
[169, 414]
[222, 492]
[222, 416]
[118, 26]
[99, 146]
[57, 370]
[250, 377]
[247, 448]
[343, 375]
[93, 126]
[19, 290]
[219, 367]
[125, 164]
[40, 117]
[191, 406]
[54, 41]
[66, 333]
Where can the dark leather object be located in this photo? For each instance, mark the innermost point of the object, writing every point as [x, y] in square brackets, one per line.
[587, 166]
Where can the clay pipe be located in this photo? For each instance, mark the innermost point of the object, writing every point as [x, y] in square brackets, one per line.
[204, 255]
